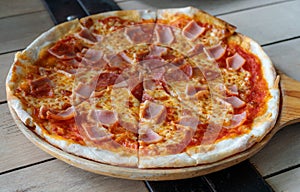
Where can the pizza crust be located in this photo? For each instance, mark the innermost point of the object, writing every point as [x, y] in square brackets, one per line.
[173, 160]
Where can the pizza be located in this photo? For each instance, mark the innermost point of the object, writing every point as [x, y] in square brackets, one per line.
[146, 89]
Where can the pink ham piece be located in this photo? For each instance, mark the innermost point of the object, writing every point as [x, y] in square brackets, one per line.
[130, 126]
[84, 91]
[187, 69]
[190, 121]
[158, 73]
[66, 48]
[105, 117]
[87, 35]
[196, 50]
[215, 52]
[137, 91]
[95, 133]
[235, 62]
[148, 136]
[155, 112]
[40, 87]
[107, 78]
[192, 30]
[153, 63]
[164, 34]
[149, 84]
[235, 102]
[67, 114]
[139, 33]
[92, 57]
[117, 61]
[182, 73]
[211, 74]
[157, 51]
[237, 120]
[232, 90]
[191, 90]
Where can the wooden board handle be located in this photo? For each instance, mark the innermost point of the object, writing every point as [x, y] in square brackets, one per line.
[290, 101]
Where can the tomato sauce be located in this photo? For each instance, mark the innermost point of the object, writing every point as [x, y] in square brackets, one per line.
[255, 101]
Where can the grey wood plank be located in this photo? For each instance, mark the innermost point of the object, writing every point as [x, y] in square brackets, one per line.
[282, 152]
[213, 7]
[17, 32]
[16, 7]
[58, 176]
[15, 150]
[268, 24]
[286, 182]
[285, 57]
[5, 62]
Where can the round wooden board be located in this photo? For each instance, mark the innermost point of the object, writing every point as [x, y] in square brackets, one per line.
[137, 173]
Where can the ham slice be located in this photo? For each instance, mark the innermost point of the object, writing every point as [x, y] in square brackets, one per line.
[235, 62]
[157, 51]
[92, 57]
[87, 35]
[139, 33]
[67, 114]
[40, 87]
[189, 121]
[211, 74]
[235, 102]
[129, 126]
[117, 61]
[137, 91]
[66, 49]
[196, 50]
[191, 90]
[84, 91]
[148, 136]
[215, 52]
[192, 30]
[158, 73]
[232, 90]
[153, 63]
[154, 112]
[164, 34]
[149, 84]
[182, 73]
[105, 117]
[187, 69]
[106, 79]
[237, 120]
[96, 133]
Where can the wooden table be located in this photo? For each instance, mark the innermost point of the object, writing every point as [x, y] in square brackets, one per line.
[273, 23]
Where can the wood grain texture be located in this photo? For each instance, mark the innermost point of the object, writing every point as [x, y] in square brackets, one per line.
[282, 152]
[290, 106]
[212, 7]
[15, 149]
[19, 31]
[268, 24]
[6, 61]
[16, 7]
[285, 56]
[58, 176]
[286, 182]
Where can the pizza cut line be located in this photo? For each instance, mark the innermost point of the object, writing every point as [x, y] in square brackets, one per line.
[146, 89]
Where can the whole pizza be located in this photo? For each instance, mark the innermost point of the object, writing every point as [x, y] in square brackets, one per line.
[146, 89]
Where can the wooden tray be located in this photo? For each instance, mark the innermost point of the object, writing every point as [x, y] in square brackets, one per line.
[289, 113]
